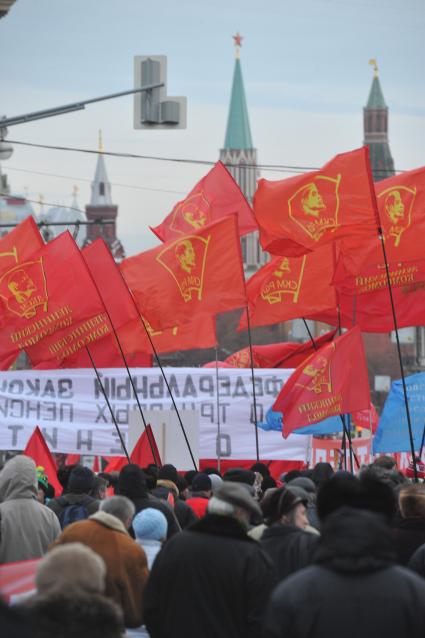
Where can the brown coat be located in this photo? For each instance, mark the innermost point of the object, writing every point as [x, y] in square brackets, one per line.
[126, 565]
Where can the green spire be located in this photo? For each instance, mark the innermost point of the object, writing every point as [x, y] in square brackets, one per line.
[238, 132]
[376, 97]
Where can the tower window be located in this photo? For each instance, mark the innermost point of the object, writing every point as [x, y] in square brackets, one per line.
[101, 188]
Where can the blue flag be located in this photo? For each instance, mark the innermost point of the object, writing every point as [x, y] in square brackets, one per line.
[327, 426]
[392, 434]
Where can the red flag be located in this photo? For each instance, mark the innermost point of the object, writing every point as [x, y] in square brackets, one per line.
[290, 288]
[37, 449]
[141, 454]
[214, 196]
[277, 355]
[299, 214]
[49, 305]
[197, 275]
[19, 244]
[331, 381]
[366, 419]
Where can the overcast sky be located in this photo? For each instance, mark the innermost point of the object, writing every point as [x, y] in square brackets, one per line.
[306, 75]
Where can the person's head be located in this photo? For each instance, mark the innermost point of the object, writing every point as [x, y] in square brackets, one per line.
[216, 481]
[183, 487]
[120, 507]
[233, 500]
[189, 476]
[211, 470]
[202, 484]
[366, 493]
[81, 480]
[43, 484]
[168, 472]
[386, 462]
[239, 475]
[411, 500]
[287, 477]
[261, 468]
[18, 479]
[71, 567]
[394, 206]
[322, 472]
[185, 254]
[131, 482]
[291, 507]
[99, 488]
[64, 473]
[150, 524]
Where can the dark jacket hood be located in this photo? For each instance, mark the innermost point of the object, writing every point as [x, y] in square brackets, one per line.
[355, 541]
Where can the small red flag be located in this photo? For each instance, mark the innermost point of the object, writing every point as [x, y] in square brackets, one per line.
[366, 419]
[141, 454]
[331, 381]
[214, 196]
[289, 288]
[299, 214]
[277, 355]
[37, 449]
[18, 245]
[197, 275]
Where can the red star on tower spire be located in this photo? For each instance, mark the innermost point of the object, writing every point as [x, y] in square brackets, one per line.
[238, 43]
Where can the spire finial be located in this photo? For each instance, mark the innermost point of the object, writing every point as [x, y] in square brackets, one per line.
[373, 62]
[75, 190]
[238, 43]
[101, 149]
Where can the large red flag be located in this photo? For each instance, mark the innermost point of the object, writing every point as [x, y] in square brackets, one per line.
[214, 196]
[332, 381]
[299, 214]
[199, 274]
[290, 288]
[37, 449]
[277, 355]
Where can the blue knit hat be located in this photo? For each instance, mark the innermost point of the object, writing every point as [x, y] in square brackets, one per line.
[150, 524]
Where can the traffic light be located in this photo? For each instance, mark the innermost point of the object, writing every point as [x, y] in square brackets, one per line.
[153, 109]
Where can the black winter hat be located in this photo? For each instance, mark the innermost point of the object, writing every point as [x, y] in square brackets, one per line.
[131, 481]
[239, 475]
[81, 480]
[168, 473]
[201, 483]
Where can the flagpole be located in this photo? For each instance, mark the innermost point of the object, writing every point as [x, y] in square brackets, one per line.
[162, 370]
[350, 443]
[422, 444]
[169, 390]
[218, 414]
[403, 380]
[109, 405]
[341, 416]
[257, 446]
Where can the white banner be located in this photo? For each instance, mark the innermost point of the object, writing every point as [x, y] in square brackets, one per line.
[69, 407]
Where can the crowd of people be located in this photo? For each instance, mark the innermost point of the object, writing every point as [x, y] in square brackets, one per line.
[154, 552]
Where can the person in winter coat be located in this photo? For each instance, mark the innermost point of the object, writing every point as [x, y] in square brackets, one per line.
[132, 484]
[353, 589]
[167, 490]
[409, 533]
[27, 527]
[288, 545]
[214, 565]
[106, 533]
[76, 504]
[201, 493]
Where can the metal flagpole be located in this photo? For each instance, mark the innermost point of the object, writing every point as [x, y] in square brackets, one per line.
[257, 446]
[218, 414]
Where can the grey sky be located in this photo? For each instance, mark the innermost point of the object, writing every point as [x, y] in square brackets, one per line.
[305, 71]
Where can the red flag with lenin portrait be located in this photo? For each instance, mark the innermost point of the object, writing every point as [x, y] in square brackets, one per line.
[48, 304]
[302, 213]
[199, 274]
[334, 380]
[214, 196]
[290, 288]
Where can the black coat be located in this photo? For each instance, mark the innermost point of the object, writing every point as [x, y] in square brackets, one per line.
[408, 535]
[353, 590]
[289, 547]
[211, 581]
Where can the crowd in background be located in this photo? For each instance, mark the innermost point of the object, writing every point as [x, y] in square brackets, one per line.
[153, 552]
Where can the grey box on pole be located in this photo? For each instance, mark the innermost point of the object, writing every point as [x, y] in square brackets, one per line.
[153, 109]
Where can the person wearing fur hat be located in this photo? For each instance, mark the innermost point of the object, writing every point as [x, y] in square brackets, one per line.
[288, 544]
[224, 574]
[201, 493]
[106, 533]
[409, 533]
[132, 484]
[27, 527]
[353, 588]
[167, 490]
[76, 504]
